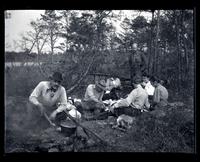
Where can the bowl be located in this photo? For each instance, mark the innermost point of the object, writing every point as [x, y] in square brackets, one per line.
[68, 128]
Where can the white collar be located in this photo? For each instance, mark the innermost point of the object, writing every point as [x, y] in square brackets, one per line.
[139, 86]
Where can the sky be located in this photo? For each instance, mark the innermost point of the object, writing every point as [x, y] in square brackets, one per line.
[19, 24]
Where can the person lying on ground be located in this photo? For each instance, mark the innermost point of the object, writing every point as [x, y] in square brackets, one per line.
[113, 86]
[160, 97]
[136, 100]
[93, 97]
[50, 97]
[147, 86]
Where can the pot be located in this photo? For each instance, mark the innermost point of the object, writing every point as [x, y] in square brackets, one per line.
[68, 128]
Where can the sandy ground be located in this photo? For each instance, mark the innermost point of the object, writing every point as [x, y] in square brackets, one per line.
[23, 134]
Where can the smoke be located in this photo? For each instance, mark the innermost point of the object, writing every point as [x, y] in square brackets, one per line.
[23, 120]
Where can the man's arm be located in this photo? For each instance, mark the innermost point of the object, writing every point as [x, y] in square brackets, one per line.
[127, 101]
[63, 103]
[146, 103]
[156, 97]
[33, 98]
[91, 94]
[35, 94]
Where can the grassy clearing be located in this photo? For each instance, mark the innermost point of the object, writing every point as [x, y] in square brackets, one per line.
[152, 132]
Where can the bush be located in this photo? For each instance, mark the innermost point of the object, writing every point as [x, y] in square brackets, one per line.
[172, 133]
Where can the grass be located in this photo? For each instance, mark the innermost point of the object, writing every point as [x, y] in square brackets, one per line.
[172, 133]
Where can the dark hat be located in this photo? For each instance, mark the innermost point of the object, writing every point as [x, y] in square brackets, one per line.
[101, 84]
[57, 76]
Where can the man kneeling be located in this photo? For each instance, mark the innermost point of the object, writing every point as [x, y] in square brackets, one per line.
[49, 97]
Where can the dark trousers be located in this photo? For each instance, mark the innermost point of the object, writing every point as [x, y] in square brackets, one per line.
[127, 111]
[150, 98]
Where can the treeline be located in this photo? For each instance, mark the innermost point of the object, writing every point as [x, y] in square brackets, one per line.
[26, 57]
[162, 45]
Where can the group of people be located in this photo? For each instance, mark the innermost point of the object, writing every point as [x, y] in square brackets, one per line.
[50, 97]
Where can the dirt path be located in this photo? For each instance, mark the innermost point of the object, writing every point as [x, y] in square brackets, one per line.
[166, 130]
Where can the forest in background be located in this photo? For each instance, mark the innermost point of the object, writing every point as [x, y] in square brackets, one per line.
[165, 47]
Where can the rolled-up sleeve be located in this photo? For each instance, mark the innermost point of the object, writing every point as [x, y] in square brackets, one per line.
[36, 93]
[91, 94]
[63, 96]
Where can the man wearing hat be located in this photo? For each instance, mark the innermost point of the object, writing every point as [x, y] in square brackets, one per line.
[136, 100]
[50, 97]
[92, 102]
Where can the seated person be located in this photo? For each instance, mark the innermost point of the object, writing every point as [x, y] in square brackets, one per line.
[146, 84]
[92, 101]
[49, 97]
[113, 85]
[136, 100]
[160, 97]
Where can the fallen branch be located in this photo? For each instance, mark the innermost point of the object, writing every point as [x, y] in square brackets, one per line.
[47, 118]
[86, 129]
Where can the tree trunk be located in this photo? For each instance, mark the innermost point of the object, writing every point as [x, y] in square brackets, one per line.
[52, 47]
[178, 52]
[185, 48]
[150, 59]
[131, 66]
[156, 44]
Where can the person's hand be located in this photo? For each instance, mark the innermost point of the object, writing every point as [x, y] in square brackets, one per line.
[53, 115]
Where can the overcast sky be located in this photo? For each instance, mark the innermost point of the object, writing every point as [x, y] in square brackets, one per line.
[19, 24]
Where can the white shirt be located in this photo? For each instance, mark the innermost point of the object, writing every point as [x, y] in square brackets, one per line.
[92, 94]
[41, 95]
[149, 88]
[137, 98]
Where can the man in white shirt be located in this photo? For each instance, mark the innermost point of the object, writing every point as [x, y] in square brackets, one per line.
[147, 86]
[137, 99]
[50, 97]
[92, 102]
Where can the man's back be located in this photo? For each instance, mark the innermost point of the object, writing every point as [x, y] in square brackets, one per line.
[161, 95]
[141, 97]
[137, 98]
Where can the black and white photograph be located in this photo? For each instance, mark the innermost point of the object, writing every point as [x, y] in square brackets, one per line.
[99, 81]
